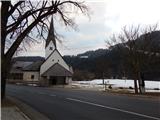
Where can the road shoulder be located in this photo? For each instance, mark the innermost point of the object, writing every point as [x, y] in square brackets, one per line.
[10, 111]
[31, 113]
[119, 92]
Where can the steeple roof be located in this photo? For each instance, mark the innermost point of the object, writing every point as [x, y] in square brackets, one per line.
[51, 35]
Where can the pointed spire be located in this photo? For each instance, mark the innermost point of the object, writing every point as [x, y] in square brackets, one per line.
[51, 35]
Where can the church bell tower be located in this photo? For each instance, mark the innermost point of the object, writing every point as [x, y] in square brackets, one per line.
[50, 42]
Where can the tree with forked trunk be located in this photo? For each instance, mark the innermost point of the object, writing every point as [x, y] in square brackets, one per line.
[21, 18]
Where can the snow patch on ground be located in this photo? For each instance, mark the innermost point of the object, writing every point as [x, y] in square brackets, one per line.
[117, 83]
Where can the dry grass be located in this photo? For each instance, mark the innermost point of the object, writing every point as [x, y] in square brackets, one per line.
[125, 92]
[152, 94]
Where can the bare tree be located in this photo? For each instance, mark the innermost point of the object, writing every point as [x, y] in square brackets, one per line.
[102, 68]
[22, 18]
[135, 41]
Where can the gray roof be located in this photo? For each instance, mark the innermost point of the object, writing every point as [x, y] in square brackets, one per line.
[18, 66]
[27, 59]
[57, 70]
[51, 35]
[34, 66]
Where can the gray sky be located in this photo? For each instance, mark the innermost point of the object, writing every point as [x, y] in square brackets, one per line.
[107, 17]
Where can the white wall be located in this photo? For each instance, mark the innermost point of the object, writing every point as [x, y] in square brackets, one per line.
[68, 80]
[54, 58]
[27, 76]
[47, 50]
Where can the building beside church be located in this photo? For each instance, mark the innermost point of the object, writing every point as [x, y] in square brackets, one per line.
[53, 70]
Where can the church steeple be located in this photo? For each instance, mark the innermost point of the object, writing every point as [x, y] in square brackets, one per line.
[51, 35]
[51, 41]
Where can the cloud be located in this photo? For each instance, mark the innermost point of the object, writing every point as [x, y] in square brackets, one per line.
[131, 12]
[107, 17]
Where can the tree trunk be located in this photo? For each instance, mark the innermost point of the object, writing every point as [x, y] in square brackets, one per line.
[140, 87]
[3, 77]
[135, 81]
[135, 86]
[4, 20]
[103, 78]
[141, 83]
[5, 68]
[3, 84]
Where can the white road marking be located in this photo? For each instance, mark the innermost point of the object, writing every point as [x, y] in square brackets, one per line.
[112, 108]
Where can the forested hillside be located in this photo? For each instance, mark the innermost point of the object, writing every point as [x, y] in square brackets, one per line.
[112, 62]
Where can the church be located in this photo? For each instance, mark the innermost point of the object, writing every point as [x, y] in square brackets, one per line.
[53, 70]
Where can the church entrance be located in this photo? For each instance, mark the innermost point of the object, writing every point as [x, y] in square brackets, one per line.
[52, 80]
[56, 80]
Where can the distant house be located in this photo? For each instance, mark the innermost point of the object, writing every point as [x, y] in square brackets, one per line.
[52, 70]
[31, 72]
[17, 72]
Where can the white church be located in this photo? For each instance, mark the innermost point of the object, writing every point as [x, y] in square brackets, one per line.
[51, 71]
[54, 69]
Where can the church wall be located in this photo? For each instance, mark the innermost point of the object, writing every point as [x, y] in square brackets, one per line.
[48, 49]
[31, 76]
[54, 58]
[44, 81]
[68, 80]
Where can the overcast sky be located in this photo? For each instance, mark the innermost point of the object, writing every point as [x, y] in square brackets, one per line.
[107, 17]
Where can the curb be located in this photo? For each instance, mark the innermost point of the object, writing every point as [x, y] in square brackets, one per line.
[23, 114]
[31, 113]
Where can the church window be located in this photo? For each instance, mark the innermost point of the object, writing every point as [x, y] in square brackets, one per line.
[58, 60]
[51, 48]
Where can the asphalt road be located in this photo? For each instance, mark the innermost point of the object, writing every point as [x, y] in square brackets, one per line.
[68, 104]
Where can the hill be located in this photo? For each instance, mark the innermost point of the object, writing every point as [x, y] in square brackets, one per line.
[112, 62]
[28, 58]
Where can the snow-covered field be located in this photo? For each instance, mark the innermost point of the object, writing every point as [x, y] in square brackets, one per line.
[153, 86]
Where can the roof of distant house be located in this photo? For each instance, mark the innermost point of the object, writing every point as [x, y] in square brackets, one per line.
[35, 66]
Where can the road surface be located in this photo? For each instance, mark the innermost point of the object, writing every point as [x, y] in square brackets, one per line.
[69, 104]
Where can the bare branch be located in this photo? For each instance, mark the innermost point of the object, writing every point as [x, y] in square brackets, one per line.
[13, 8]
